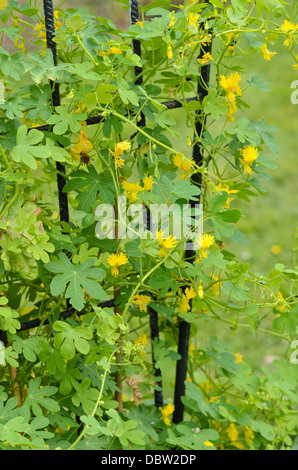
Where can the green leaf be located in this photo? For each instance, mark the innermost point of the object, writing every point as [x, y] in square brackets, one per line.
[126, 94]
[8, 317]
[59, 154]
[26, 149]
[245, 132]
[38, 104]
[189, 440]
[64, 121]
[182, 188]
[85, 396]
[12, 430]
[91, 183]
[93, 427]
[256, 82]
[13, 66]
[214, 104]
[36, 398]
[102, 95]
[76, 278]
[69, 339]
[43, 67]
[29, 347]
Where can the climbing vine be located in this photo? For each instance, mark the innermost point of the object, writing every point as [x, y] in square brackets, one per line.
[81, 282]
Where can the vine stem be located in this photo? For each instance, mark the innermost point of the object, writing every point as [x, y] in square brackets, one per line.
[117, 310]
[98, 402]
[149, 137]
[142, 281]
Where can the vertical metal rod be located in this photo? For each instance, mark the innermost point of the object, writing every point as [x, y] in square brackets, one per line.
[154, 331]
[153, 316]
[190, 254]
[50, 33]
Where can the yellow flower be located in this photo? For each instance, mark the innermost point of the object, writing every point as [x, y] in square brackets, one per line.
[215, 286]
[205, 59]
[250, 154]
[205, 39]
[248, 435]
[131, 190]
[208, 444]
[238, 357]
[142, 301]
[142, 339]
[276, 249]
[288, 27]
[191, 349]
[233, 435]
[231, 51]
[20, 43]
[231, 43]
[82, 145]
[206, 386]
[114, 50]
[266, 53]
[231, 86]
[213, 399]
[115, 261]
[148, 182]
[184, 304]
[204, 242]
[140, 23]
[122, 146]
[232, 432]
[169, 51]
[172, 20]
[3, 4]
[27, 310]
[188, 294]
[185, 166]
[40, 28]
[283, 303]
[220, 187]
[193, 19]
[119, 148]
[201, 291]
[165, 243]
[70, 94]
[166, 412]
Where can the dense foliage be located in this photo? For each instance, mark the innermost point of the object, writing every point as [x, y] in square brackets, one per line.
[60, 379]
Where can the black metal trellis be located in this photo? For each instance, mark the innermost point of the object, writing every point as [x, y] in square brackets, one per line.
[184, 327]
[50, 33]
[154, 329]
[190, 254]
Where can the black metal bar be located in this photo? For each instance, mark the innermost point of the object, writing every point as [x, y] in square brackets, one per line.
[154, 331]
[153, 316]
[190, 254]
[173, 104]
[50, 33]
[27, 325]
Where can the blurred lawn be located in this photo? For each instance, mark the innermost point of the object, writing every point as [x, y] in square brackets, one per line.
[269, 221]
